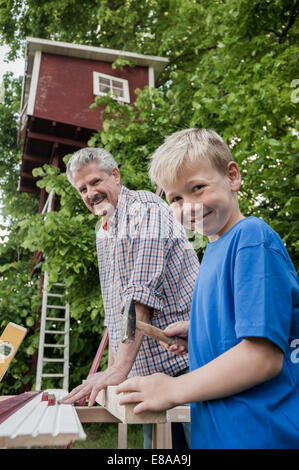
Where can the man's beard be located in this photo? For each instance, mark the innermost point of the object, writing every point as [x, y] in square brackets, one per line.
[101, 206]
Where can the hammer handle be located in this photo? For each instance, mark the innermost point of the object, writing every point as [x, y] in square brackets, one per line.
[156, 333]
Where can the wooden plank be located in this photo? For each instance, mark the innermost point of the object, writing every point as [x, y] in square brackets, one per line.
[6, 397]
[35, 158]
[95, 414]
[26, 174]
[179, 414]
[13, 404]
[55, 139]
[38, 424]
[28, 189]
[110, 400]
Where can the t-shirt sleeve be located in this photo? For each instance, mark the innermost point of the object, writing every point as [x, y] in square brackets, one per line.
[262, 295]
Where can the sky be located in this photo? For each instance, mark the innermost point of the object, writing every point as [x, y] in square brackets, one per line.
[17, 68]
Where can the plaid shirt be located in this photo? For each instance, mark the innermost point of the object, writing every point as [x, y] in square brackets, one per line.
[145, 255]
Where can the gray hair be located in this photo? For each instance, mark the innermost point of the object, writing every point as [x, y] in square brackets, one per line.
[87, 155]
[188, 145]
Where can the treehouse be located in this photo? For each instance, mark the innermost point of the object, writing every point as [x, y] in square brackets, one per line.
[61, 81]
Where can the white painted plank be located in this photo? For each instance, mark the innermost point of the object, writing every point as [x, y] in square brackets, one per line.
[37, 423]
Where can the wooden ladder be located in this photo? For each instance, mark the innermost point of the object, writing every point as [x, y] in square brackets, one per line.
[55, 313]
[52, 336]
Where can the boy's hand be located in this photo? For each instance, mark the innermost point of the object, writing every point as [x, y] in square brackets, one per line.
[152, 392]
[179, 328]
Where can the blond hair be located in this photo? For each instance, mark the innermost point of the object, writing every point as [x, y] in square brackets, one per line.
[185, 146]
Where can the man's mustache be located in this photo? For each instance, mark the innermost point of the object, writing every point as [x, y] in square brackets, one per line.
[96, 199]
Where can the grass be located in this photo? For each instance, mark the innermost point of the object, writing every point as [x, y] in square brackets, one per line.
[104, 436]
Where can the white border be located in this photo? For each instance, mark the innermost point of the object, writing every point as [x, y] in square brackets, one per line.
[151, 77]
[34, 80]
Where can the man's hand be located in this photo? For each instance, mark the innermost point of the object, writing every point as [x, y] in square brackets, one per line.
[118, 369]
[152, 393]
[179, 328]
[93, 384]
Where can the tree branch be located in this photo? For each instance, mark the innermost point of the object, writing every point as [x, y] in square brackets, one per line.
[285, 30]
[291, 21]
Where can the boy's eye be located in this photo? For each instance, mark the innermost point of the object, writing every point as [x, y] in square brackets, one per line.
[175, 199]
[197, 187]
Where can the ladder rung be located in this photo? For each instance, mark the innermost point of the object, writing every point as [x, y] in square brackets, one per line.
[55, 332]
[45, 359]
[56, 306]
[55, 319]
[58, 284]
[53, 375]
[55, 295]
[54, 345]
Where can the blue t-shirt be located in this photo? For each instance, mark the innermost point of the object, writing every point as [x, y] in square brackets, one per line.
[247, 286]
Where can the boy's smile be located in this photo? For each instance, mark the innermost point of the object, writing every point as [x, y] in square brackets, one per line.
[204, 199]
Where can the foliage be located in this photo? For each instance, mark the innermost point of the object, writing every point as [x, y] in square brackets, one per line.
[68, 20]
[67, 238]
[19, 299]
[232, 67]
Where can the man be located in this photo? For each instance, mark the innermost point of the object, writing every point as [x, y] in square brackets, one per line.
[143, 254]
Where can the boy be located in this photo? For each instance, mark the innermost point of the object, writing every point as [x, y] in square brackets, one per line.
[243, 383]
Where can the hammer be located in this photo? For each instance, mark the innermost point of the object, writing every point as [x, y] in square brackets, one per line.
[130, 324]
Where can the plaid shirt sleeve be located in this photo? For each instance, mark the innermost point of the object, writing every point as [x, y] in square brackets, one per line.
[149, 249]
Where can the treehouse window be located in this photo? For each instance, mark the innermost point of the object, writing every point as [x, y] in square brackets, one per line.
[104, 84]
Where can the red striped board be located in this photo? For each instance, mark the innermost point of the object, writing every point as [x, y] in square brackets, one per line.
[13, 404]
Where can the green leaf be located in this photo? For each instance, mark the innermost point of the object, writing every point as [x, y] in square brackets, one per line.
[29, 321]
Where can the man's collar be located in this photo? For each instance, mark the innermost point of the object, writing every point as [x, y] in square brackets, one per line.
[113, 220]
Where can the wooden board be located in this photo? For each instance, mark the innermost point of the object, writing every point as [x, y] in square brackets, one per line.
[95, 414]
[110, 400]
[178, 414]
[13, 404]
[37, 424]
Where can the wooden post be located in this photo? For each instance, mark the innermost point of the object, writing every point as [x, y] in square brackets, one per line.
[122, 436]
[161, 436]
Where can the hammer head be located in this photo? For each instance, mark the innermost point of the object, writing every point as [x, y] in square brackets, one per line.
[128, 322]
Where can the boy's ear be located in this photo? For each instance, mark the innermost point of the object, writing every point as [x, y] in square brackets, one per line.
[234, 176]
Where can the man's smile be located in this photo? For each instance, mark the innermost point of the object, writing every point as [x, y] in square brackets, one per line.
[97, 199]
